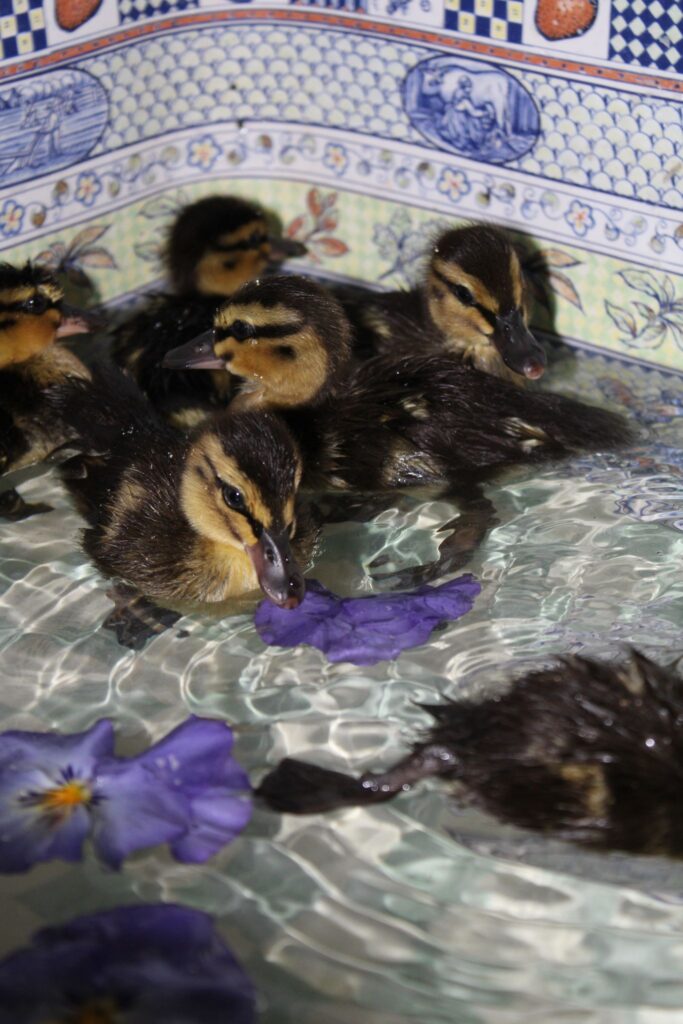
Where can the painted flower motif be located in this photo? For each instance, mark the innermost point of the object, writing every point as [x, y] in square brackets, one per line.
[88, 187]
[57, 790]
[365, 630]
[11, 217]
[580, 218]
[146, 963]
[203, 153]
[453, 184]
[335, 157]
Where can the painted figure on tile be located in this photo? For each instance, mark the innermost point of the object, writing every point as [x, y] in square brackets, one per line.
[472, 108]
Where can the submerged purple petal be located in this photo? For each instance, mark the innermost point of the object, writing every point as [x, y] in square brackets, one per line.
[54, 752]
[365, 630]
[153, 963]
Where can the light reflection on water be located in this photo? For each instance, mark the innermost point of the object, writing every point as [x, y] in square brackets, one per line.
[415, 910]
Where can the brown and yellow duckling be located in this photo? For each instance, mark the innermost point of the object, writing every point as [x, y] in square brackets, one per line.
[33, 316]
[189, 520]
[472, 304]
[214, 246]
[585, 751]
[391, 421]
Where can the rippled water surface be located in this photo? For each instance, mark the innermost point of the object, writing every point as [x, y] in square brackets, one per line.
[414, 911]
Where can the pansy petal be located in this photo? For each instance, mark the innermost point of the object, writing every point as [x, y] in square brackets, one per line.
[29, 836]
[134, 811]
[366, 629]
[54, 752]
[216, 821]
[195, 755]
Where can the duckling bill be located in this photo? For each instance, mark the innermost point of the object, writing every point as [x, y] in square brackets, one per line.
[587, 751]
[189, 520]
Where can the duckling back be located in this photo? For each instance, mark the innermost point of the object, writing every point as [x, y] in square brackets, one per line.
[585, 751]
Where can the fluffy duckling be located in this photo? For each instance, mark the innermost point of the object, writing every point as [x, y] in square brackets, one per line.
[190, 521]
[585, 751]
[281, 339]
[214, 246]
[392, 421]
[472, 303]
[32, 316]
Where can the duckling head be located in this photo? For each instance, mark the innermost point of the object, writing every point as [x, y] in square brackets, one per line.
[32, 313]
[219, 243]
[286, 338]
[238, 491]
[475, 296]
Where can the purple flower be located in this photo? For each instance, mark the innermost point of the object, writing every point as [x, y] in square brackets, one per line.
[148, 964]
[365, 629]
[55, 791]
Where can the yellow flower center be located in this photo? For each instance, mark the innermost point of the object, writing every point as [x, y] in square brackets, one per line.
[64, 798]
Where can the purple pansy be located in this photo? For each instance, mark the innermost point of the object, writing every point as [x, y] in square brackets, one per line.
[148, 964]
[56, 791]
[365, 630]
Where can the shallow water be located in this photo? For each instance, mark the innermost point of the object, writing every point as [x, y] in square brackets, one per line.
[414, 910]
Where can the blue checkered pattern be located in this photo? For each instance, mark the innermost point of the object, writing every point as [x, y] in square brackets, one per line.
[137, 10]
[335, 5]
[493, 19]
[22, 28]
[648, 33]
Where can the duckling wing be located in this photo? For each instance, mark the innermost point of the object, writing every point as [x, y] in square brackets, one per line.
[417, 420]
[386, 323]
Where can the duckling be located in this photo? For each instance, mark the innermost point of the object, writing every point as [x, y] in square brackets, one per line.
[32, 316]
[392, 421]
[586, 751]
[189, 520]
[214, 246]
[472, 303]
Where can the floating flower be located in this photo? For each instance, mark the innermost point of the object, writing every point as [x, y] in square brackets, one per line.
[88, 187]
[147, 963]
[580, 217]
[335, 157]
[453, 184]
[203, 152]
[56, 791]
[365, 630]
[11, 216]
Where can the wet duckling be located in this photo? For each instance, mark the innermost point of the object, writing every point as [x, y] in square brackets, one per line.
[283, 341]
[585, 751]
[189, 520]
[214, 246]
[472, 303]
[32, 316]
[391, 421]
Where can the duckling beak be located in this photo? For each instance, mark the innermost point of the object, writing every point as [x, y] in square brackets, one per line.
[195, 355]
[77, 321]
[517, 345]
[285, 249]
[280, 578]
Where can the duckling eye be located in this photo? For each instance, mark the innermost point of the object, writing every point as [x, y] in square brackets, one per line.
[257, 238]
[463, 294]
[241, 330]
[36, 304]
[233, 498]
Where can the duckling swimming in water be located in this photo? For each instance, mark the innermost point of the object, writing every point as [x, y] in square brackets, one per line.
[215, 245]
[32, 316]
[391, 421]
[585, 751]
[190, 521]
[472, 303]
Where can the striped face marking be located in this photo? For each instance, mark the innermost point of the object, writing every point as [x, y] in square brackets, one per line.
[234, 258]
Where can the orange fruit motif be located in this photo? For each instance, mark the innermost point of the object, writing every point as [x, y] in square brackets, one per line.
[71, 14]
[565, 19]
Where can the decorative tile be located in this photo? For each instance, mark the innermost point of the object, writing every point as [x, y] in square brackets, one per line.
[135, 10]
[648, 34]
[493, 19]
[22, 28]
[335, 5]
